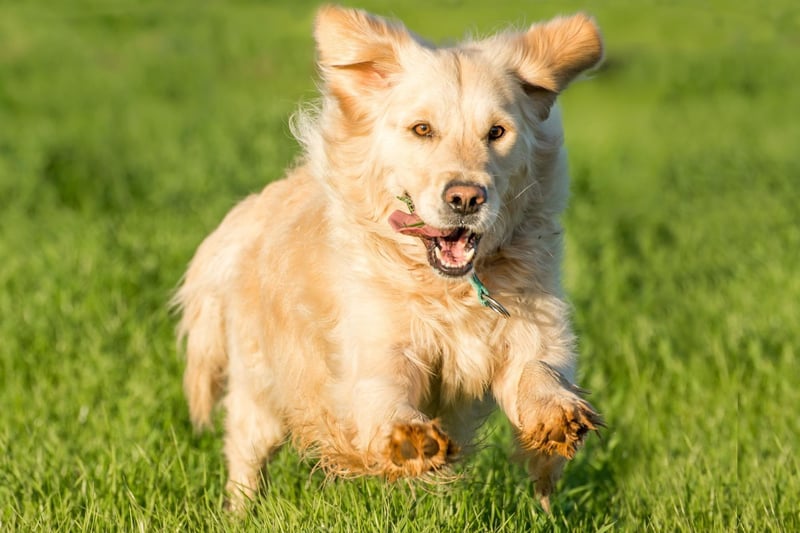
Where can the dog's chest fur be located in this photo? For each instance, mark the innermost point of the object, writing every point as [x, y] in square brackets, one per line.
[457, 339]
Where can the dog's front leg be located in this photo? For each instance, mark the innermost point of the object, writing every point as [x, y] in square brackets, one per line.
[384, 390]
[535, 387]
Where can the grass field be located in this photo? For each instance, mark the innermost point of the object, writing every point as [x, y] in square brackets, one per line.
[128, 129]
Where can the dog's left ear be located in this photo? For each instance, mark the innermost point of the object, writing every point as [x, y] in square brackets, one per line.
[358, 54]
[548, 56]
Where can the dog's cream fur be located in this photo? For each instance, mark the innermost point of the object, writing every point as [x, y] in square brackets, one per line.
[318, 321]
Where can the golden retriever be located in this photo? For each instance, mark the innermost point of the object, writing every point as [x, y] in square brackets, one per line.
[405, 274]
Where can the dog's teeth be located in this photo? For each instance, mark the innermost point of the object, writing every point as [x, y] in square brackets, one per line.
[446, 262]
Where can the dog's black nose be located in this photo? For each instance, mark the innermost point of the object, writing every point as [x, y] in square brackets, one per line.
[464, 198]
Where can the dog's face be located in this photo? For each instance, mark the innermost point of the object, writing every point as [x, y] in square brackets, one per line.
[452, 131]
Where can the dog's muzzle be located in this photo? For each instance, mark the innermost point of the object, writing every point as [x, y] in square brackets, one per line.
[451, 251]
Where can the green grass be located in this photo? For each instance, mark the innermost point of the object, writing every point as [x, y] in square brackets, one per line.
[128, 129]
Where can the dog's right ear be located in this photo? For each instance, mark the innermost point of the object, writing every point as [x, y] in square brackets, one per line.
[548, 56]
[357, 54]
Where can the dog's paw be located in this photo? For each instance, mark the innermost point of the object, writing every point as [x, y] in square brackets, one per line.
[416, 448]
[561, 425]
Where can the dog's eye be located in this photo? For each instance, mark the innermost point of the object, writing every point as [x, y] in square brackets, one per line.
[423, 129]
[495, 132]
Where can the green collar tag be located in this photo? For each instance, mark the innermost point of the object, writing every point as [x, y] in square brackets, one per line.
[485, 298]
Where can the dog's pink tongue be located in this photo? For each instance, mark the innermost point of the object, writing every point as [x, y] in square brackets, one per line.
[411, 224]
[456, 250]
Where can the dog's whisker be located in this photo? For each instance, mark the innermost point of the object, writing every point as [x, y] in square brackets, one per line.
[523, 191]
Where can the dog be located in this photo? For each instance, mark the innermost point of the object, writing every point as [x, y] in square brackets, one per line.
[404, 276]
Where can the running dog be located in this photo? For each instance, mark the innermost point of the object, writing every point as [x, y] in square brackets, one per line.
[405, 274]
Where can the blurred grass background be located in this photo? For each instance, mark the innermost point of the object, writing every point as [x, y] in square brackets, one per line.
[128, 129]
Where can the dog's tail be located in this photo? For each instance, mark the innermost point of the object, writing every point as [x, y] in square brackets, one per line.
[202, 329]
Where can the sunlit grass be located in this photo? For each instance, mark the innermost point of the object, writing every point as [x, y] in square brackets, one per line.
[128, 130]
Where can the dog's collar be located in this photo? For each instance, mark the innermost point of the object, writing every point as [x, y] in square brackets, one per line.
[485, 298]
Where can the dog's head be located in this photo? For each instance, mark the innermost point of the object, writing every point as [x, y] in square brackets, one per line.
[454, 133]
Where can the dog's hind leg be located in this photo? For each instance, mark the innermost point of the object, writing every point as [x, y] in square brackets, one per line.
[254, 428]
[253, 432]
[545, 470]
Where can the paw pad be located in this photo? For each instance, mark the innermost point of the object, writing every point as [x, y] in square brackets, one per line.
[563, 428]
[419, 447]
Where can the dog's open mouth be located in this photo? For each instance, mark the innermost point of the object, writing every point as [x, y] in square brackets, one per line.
[450, 251]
